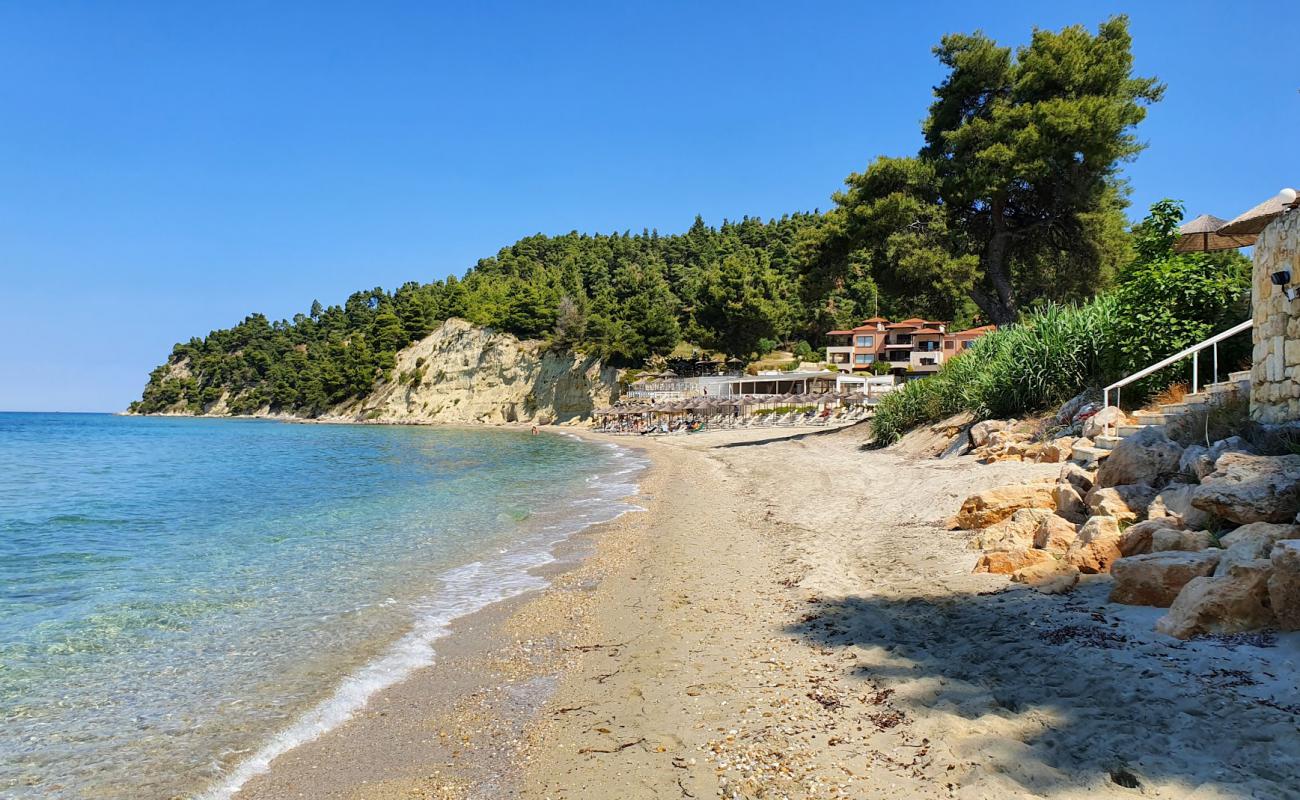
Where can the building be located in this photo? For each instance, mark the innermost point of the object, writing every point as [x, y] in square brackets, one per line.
[910, 347]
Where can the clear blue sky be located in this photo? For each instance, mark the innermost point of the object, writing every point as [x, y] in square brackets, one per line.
[167, 168]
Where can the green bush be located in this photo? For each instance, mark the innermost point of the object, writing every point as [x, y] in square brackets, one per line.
[1163, 303]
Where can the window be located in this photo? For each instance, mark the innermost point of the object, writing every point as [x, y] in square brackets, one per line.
[966, 345]
[863, 358]
[947, 345]
[866, 341]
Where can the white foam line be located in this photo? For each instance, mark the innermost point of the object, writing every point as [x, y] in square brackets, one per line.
[467, 589]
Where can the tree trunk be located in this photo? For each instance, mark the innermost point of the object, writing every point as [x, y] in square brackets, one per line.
[1000, 306]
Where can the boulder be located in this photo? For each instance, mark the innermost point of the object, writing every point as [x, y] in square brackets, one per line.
[1238, 601]
[1248, 488]
[1155, 579]
[1068, 502]
[1175, 539]
[1284, 584]
[1126, 503]
[1048, 577]
[980, 432]
[1069, 410]
[1258, 538]
[1056, 451]
[1136, 539]
[1109, 417]
[1097, 546]
[1175, 500]
[1078, 477]
[1195, 462]
[1055, 534]
[1015, 532]
[1148, 456]
[1006, 562]
[991, 506]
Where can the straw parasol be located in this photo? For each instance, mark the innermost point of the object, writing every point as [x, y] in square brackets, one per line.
[1254, 221]
[1202, 235]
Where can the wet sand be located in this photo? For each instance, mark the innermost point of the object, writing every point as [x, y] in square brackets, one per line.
[791, 619]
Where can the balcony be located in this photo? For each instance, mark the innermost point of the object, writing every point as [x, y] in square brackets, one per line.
[898, 356]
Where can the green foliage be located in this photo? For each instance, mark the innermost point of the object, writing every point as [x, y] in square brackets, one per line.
[1163, 303]
[1015, 197]
[625, 298]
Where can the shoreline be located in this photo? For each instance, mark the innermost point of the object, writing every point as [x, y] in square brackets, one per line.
[477, 672]
[790, 617]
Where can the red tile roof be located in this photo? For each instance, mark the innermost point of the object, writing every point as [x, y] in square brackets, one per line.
[980, 331]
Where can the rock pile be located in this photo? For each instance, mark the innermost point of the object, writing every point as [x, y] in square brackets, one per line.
[1210, 533]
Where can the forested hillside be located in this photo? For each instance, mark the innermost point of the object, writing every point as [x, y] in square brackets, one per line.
[1014, 199]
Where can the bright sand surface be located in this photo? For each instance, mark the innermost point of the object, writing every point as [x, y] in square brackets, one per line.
[790, 618]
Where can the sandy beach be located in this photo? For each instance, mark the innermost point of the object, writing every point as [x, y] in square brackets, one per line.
[788, 618]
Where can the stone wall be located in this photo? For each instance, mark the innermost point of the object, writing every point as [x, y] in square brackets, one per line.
[1274, 388]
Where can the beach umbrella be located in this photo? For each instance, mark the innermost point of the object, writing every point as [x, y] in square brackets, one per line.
[1253, 222]
[1201, 235]
[668, 374]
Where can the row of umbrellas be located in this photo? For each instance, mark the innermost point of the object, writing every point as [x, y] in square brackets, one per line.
[729, 403]
[1207, 232]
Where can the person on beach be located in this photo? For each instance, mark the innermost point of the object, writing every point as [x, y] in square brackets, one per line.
[534, 430]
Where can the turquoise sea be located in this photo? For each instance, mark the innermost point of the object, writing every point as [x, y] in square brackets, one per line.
[183, 599]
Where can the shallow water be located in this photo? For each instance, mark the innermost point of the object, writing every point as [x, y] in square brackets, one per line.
[181, 599]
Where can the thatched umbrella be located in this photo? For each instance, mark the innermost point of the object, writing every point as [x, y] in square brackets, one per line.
[1253, 222]
[1201, 235]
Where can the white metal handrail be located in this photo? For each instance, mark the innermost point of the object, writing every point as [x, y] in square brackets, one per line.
[1194, 351]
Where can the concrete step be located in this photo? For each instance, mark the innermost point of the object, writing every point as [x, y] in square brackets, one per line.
[1088, 456]
[1237, 377]
[1152, 417]
[1178, 409]
[1125, 431]
[1106, 442]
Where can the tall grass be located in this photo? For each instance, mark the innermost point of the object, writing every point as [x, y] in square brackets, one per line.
[1046, 359]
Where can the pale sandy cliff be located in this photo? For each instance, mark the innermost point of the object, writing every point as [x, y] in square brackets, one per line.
[462, 373]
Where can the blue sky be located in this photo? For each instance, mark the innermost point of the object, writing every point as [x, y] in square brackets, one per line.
[167, 168]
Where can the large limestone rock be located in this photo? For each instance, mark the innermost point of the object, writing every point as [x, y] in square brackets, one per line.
[1068, 502]
[1148, 456]
[1108, 417]
[1195, 462]
[1238, 601]
[1048, 577]
[991, 506]
[1006, 562]
[1018, 531]
[1057, 450]
[1078, 477]
[1155, 579]
[1097, 546]
[462, 373]
[1198, 461]
[1284, 584]
[1137, 539]
[1175, 500]
[1174, 539]
[1055, 534]
[1260, 537]
[1126, 503]
[1248, 488]
[1251, 542]
[981, 432]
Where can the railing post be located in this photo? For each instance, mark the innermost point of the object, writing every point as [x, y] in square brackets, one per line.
[1196, 363]
[1216, 363]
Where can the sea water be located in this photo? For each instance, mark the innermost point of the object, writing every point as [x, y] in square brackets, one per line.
[181, 600]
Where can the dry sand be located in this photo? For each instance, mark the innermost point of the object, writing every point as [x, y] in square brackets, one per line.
[790, 619]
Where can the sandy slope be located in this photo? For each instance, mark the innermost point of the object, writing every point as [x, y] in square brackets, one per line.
[793, 621]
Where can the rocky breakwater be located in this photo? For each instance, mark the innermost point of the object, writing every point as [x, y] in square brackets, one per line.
[1211, 533]
[464, 374]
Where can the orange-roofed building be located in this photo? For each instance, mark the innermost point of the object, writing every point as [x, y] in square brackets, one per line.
[910, 347]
